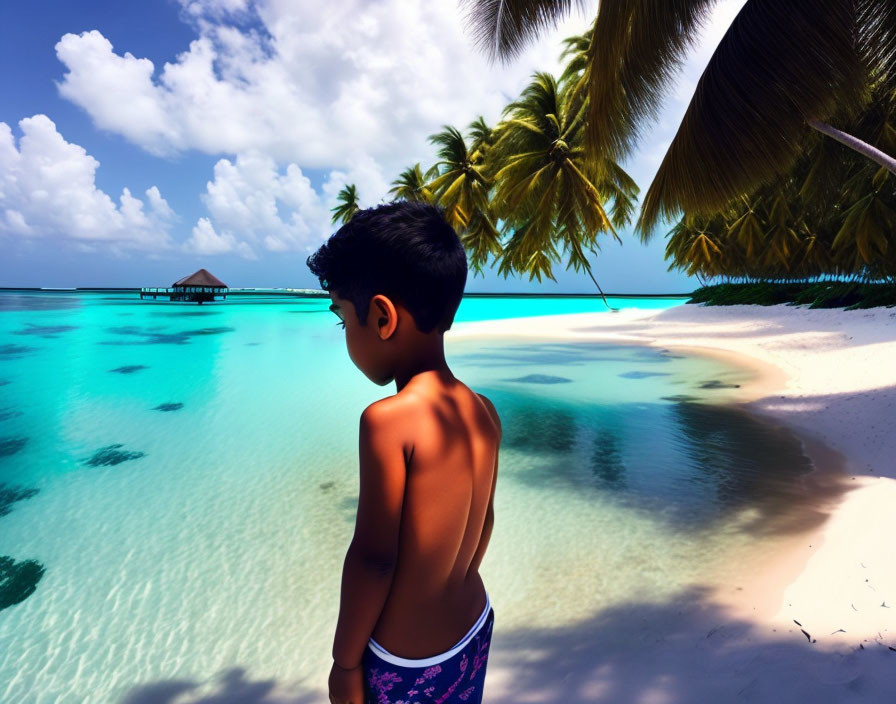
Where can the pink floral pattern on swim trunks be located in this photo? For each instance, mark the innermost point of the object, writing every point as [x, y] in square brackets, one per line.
[458, 679]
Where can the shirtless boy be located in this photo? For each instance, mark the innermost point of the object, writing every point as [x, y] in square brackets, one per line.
[415, 619]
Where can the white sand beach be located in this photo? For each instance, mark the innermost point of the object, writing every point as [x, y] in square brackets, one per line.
[816, 620]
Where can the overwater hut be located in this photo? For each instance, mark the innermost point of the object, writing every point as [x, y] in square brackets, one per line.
[199, 286]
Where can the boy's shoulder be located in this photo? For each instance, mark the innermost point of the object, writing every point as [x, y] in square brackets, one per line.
[493, 412]
[390, 409]
[382, 410]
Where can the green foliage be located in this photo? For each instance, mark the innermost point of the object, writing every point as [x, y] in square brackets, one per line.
[549, 196]
[760, 195]
[411, 186]
[348, 204]
[838, 294]
[763, 294]
[460, 186]
[524, 191]
[779, 67]
[833, 214]
[502, 28]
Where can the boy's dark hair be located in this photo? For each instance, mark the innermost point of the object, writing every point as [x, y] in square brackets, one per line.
[404, 250]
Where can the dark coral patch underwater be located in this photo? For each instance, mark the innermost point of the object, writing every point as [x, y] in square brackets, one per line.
[641, 375]
[168, 407]
[680, 398]
[716, 384]
[209, 331]
[11, 494]
[541, 379]
[151, 336]
[18, 580]
[10, 446]
[16, 350]
[7, 413]
[182, 313]
[129, 368]
[111, 455]
[44, 330]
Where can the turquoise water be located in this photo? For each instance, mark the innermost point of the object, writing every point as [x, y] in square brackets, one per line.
[178, 486]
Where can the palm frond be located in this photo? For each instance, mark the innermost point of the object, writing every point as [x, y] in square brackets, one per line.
[636, 50]
[481, 138]
[779, 65]
[877, 36]
[411, 186]
[347, 206]
[501, 28]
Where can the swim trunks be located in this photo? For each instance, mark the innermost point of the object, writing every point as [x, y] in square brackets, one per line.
[457, 675]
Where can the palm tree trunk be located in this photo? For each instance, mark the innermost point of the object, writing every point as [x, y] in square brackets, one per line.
[588, 269]
[856, 144]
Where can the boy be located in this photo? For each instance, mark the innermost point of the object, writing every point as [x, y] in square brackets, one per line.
[414, 618]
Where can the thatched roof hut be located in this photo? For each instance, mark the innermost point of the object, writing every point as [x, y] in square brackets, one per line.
[197, 287]
[203, 278]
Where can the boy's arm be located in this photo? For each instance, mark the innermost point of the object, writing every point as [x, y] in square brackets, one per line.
[490, 512]
[371, 556]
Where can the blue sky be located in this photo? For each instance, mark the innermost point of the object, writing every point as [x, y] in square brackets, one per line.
[141, 141]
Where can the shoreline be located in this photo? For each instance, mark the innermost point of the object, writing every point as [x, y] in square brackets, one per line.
[826, 376]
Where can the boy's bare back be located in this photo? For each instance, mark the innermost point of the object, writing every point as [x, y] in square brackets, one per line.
[411, 595]
[450, 436]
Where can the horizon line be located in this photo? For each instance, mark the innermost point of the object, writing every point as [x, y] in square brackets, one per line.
[316, 293]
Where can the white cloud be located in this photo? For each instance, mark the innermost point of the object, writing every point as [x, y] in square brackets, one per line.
[251, 199]
[158, 204]
[359, 81]
[201, 8]
[117, 89]
[366, 174]
[204, 240]
[355, 89]
[47, 187]
[253, 203]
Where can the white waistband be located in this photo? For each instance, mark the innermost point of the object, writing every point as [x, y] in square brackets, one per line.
[381, 652]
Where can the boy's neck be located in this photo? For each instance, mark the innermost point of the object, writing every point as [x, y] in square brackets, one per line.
[429, 360]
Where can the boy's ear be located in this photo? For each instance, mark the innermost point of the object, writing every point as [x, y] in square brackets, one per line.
[384, 315]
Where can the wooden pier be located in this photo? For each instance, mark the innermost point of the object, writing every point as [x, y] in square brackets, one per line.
[200, 287]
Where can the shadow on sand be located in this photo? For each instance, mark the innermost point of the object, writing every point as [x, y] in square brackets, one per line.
[686, 650]
[233, 688]
[683, 651]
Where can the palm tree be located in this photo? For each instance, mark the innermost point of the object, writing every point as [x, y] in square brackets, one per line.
[411, 185]
[482, 137]
[547, 193]
[833, 214]
[348, 204]
[780, 69]
[462, 189]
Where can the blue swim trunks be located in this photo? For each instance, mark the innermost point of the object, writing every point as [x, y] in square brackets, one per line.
[457, 675]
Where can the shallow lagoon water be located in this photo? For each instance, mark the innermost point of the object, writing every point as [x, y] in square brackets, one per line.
[200, 549]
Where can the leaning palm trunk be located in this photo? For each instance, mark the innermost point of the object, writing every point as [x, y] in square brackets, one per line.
[856, 144]
[615, 310]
